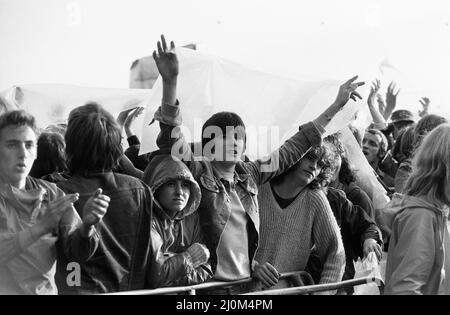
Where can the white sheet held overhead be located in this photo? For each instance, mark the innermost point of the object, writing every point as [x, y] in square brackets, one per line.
[272, 107]
[52, 103]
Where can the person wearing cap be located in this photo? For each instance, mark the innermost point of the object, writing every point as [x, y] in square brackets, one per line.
[401, 119]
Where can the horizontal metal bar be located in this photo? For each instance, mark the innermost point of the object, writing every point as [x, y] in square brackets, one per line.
[322, 287]
[203, 286]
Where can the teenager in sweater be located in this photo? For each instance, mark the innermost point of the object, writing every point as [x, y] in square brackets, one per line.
[229, 207]
[295, 216]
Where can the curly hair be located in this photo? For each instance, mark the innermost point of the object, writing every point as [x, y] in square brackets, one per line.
[327, 162]
[346, 173]
[319, 153]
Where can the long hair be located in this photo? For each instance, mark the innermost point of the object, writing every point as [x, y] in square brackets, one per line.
[431, 168]
[347, 174]
[319, 153]
[93, 140]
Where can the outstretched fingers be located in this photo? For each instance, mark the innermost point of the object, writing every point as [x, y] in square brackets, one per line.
[160, 50]
[164, 43]
[351, 80]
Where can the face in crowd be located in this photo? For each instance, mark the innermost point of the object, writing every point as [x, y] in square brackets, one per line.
[17, 153]
[174, 196]
[228, 147]
[307, 169]
[372, 146]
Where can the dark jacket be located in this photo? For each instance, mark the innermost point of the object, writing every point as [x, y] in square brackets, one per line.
[359, 198]
[124, 252]
[171, 237]
[132, 153]
[215, 207]
[356, 226]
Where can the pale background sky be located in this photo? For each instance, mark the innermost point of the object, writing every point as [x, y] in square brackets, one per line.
[93, 42]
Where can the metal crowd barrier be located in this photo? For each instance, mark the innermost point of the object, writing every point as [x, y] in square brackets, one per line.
[304, 276]
[323, 287]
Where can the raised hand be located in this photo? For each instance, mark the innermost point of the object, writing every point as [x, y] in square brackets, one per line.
[381, 105]
[95, 208]
[166, 60]
[347, 91]
[122, 118]
[425, 102]
[391, 98]
[374, 89]
[132, 116]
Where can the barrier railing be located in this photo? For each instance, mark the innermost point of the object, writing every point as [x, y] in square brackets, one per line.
[323, 287]
[192, 289]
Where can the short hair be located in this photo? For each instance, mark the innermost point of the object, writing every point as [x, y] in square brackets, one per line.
[431, 167]
[18, 118]
[222, 120]
[93, 140]
[51, 155]
[384, 142]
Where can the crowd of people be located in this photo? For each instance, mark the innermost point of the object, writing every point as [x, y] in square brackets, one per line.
[78, 215]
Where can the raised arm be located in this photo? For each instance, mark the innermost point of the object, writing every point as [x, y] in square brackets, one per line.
[309, 135]
[167, 63]
[391, 99]
[377, 117]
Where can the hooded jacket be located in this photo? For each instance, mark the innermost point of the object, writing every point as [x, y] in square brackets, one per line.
[171, 237]
[416, 255]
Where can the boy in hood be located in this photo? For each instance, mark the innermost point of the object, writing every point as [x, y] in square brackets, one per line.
[177, 241]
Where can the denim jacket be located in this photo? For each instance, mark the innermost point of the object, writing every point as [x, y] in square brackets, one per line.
[124, 252]
[215, 206]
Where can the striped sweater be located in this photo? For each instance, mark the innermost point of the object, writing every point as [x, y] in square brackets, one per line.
[287, 235]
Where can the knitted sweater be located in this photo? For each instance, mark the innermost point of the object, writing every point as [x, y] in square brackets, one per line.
[287, 235]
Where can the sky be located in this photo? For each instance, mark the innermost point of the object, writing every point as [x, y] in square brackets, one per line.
[93, 42]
